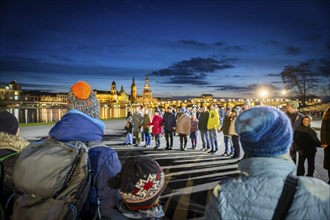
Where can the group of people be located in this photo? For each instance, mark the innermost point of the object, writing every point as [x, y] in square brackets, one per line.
[131, 190]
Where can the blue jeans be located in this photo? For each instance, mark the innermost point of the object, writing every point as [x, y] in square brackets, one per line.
[228, 144]
[205, 139]
[129, 139]
[147, 138]
[213, 139]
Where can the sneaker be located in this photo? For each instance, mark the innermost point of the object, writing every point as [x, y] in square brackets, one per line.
[147, 146]
[209, 151]
[156, 147]
[203, 149]
[225, 155]
[214, 152]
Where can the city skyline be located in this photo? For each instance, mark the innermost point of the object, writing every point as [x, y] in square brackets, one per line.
[187, 48]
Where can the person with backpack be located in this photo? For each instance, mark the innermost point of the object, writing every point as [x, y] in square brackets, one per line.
[11, 143]
[266, 171]
[141, 183]
[70, 168]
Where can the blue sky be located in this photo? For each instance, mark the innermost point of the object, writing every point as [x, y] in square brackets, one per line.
[226, 48]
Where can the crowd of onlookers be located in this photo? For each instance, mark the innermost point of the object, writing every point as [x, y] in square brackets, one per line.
[270, 139]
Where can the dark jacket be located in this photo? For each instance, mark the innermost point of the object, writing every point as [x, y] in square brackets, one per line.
[296, 119]
[105, 164]
[306, 139]
[325, 139]
[203, 120]
[226, 125]
[169, 121]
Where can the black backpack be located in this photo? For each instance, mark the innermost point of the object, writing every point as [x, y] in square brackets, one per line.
[52, 179]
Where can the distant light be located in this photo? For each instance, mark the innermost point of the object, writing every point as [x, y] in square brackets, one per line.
[263, 93]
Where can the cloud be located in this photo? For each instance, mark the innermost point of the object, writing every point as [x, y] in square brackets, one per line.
[219, 43]
[59, 58]
[292, 51]
[274, 74]
[233, 49]
[250, 89]
[193, 71]
[192, 43]
[271, 43]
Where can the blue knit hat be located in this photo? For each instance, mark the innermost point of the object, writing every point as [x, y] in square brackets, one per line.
[183, 109]
[264, 132]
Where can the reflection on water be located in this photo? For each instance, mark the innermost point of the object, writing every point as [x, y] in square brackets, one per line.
[29, 115]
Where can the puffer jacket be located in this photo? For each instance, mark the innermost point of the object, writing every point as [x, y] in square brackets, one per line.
[213, 121]
[254, 194]
[156, 124]
[183, 124]
[9, 144]
[77, 126]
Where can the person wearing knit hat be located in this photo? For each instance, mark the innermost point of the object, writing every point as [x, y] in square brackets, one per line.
[293, 104]
[183, 125]
[9, 123]
[140, 182]
[11, 143]
[264, 132]
[266, 136]
[296, 119]
[82, 123]
[82, 98]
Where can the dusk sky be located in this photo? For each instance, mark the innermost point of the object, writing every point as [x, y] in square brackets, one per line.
[192, 47]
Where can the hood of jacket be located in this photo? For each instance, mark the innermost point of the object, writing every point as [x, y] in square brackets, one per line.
[12, 142]
[76, 125]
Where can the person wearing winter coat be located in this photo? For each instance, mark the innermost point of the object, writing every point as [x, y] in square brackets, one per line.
[169, 125]
[146, 128]
[137, 120]
[213, 125]
[11, 143]
[141, 183]
[129, 129]
[325, 140]
[194, 131]
[234, 136]
[183, 125]
[156, 127]
[229, 149]
[82, 123]
[266, 136]
[296, 120]
[202, 127]
[307, 141]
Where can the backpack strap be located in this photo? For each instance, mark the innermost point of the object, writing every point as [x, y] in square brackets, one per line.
[286, 198]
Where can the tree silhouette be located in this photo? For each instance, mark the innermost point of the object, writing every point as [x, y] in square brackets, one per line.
[300, 80]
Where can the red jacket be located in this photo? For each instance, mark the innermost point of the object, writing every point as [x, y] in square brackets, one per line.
[157, 124]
